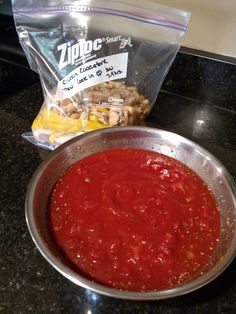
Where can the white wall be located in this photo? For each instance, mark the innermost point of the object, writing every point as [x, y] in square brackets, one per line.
[212, 26]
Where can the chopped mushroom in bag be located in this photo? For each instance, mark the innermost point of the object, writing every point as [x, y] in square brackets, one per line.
[101, 63]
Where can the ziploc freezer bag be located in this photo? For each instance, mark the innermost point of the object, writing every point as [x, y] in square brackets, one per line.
[101, 63]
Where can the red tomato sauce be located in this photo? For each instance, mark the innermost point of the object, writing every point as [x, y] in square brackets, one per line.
[134, 220]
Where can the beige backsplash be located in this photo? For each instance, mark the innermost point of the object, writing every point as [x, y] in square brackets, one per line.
[212, 26]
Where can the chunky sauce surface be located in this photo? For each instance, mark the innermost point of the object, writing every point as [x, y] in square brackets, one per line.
[134, 219]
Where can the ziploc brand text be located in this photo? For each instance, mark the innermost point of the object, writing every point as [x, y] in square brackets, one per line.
[70, 53]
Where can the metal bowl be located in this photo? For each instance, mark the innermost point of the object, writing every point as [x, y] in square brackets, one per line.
[173, 145]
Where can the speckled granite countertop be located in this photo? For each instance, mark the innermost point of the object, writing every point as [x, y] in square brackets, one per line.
[28, 283]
